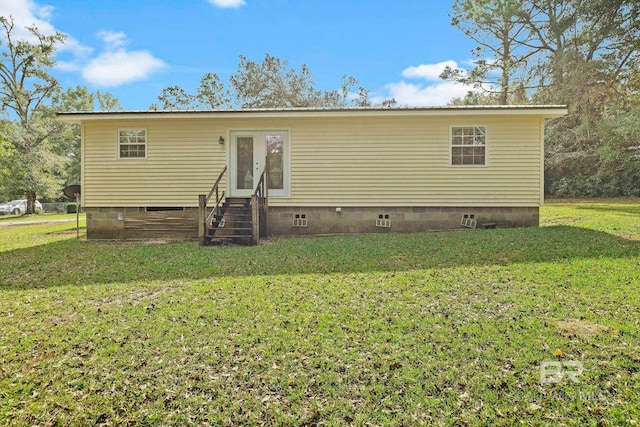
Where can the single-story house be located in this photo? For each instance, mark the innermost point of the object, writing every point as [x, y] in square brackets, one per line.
[149, 174]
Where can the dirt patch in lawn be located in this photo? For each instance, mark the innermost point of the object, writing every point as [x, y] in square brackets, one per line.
[581, 328]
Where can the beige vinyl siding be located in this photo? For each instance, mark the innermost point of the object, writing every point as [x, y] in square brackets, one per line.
[406, 162]
[183, 160]
[335, 161]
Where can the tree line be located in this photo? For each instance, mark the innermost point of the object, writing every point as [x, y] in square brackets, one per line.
[582, 53]
[38, 155]
[267, 84]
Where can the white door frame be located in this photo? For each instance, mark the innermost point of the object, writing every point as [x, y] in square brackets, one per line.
[259, 157]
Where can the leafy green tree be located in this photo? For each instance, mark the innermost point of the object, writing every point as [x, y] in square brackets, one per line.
[572, 33]
[581, 53]
[267, 84]
[210, 94]
[503, 48]
[105, 101]
[65, 141]
[38, 153]
[37, 170]
[590, 60]
[348, 83]
[174, 98]
[6, 154]
[271, 84]
[330, 99]
[389, 103]
[341, 98]
[77, 98]
[25, 86]
[363, 100]
[475, 98]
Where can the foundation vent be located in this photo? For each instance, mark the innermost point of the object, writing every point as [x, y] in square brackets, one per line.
[383, 221]
[162, 208]
[300, 220]
[468, 220]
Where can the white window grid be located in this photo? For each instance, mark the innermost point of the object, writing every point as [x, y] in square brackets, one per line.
[132, 143]
[468, 145]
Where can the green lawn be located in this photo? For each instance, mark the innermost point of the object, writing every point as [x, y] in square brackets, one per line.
[39, 217]
[447, 328]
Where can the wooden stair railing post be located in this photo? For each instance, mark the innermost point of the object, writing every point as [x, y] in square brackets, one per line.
[255, 220]
[202, 215]
[265, 204]
[260, 206]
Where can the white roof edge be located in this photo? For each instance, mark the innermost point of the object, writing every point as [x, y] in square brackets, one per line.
[547, 111]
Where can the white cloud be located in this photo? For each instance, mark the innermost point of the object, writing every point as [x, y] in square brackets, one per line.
[68, 65]
[432, 92]
[113, 67]
[26, 13]
[428, 71]
[432, 95]
[75, 47]
[113, 39]
[232, 4]
[118, 67]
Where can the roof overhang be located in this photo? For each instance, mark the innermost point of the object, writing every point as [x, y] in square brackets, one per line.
[543, 111]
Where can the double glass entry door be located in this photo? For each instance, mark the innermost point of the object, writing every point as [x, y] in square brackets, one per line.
[250, 151]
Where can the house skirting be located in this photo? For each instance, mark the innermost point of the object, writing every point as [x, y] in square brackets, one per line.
[323, 220]
[140, 223]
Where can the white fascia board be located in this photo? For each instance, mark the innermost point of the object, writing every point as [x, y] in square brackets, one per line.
[539, 111]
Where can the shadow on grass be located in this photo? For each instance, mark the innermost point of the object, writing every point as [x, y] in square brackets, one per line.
[91, 262]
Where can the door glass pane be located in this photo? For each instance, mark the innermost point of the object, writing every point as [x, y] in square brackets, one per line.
[275, 158]
[244, 168]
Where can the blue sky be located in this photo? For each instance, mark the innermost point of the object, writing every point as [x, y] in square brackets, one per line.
[135, 48]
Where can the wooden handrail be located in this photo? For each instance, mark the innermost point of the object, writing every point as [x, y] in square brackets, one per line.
[260, 204]
[215, 210]
[259, 191]
[219, 197]
[205, 219]
[214, 189]
[263, 185]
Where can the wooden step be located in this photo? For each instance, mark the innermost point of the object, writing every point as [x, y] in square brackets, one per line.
[235, 241]
[229, 232]
[238, 225]
[233, 212]
[237, 202]
[232, 224]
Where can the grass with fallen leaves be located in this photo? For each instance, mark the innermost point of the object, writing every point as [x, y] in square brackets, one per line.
[378, 329]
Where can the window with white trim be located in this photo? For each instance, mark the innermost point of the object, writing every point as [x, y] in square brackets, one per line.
[468, 145]
[132, 143]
